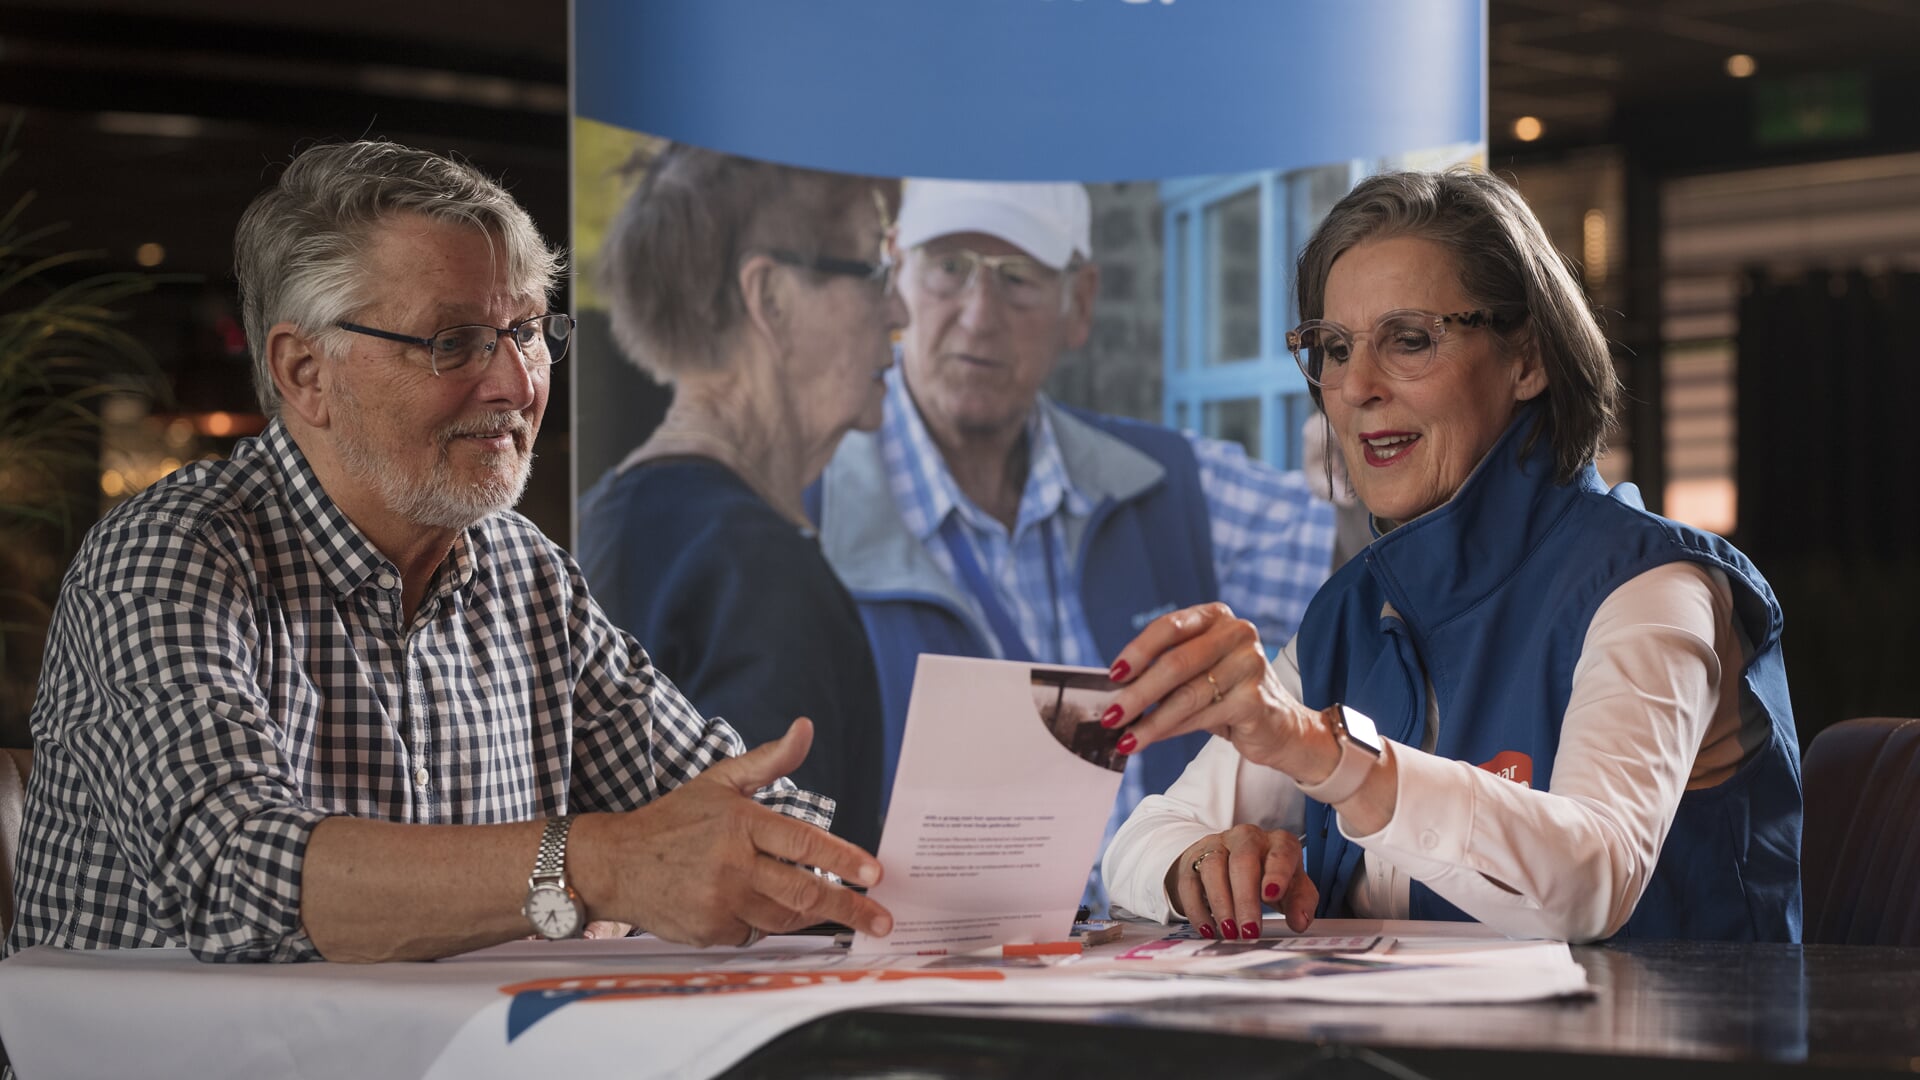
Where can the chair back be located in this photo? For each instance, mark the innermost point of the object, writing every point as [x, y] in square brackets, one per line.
[1860, 852]
[15, 765]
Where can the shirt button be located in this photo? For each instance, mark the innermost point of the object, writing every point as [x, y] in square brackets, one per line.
[387, 581]
[420, 777]
[1429, 839]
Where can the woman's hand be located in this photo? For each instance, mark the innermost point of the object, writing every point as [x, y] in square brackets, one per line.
[1220, 881]
[1206, 671]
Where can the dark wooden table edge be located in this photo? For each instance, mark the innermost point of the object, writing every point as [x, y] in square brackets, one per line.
[925, 1042]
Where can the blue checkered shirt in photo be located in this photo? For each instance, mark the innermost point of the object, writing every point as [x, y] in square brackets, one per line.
[1272, 543]
[229, 664]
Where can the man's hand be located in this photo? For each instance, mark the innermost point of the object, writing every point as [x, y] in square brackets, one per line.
[707, 865]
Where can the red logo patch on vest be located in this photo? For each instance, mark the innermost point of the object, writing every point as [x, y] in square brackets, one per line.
[1513, 765]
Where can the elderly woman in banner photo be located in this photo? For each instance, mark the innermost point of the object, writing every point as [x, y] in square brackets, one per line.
[1528, 702]
[761, 293]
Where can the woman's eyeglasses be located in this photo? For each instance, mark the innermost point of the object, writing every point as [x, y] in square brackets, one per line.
[879, 274]
[1404, 342]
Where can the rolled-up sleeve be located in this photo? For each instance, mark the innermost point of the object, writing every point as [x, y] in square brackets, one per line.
[154, 706]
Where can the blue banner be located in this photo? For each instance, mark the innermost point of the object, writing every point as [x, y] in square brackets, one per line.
[1038, 89]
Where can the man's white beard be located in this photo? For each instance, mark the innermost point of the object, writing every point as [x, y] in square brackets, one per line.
[437, 500]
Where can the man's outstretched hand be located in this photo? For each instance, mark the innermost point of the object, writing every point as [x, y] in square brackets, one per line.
[707, 865]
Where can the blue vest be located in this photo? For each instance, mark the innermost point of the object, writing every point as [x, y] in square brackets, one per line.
[1146, 549]
[1494, 592]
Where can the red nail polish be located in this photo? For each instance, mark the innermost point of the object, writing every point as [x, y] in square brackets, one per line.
[1206, 931]
[1127, 743]
[1251, 931]
[1229, 931]
[1120, 670]
[1273, 890]
[1111, 716]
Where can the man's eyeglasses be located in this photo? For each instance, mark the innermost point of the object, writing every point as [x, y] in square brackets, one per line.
[879, 274]
[1023, 282]
[1404, 342]
[467, 350]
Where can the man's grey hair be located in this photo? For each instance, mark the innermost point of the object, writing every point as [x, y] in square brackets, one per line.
[300, 247]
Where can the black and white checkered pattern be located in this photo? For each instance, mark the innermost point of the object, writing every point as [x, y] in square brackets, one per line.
[229, 664]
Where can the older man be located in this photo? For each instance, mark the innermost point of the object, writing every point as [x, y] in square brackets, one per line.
[985, 520]
[331, 698]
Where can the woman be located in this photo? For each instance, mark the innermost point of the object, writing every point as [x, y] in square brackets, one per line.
[760, 293]
[1582, 718]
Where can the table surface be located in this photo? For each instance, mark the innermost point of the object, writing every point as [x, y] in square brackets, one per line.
[1659, 1009]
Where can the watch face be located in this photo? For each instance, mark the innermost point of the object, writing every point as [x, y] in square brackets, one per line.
[1360, 728]
[552, 912]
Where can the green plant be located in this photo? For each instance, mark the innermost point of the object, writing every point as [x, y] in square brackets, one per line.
[62, 351]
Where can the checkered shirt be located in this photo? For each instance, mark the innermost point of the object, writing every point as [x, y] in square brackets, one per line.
[230, 663]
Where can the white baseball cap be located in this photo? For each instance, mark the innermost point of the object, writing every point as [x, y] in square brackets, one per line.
[1050, 222]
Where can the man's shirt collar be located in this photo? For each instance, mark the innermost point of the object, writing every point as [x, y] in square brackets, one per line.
[348, 560]
[927, 491]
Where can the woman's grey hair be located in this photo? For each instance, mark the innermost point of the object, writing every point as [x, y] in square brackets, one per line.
[1503, 257]
[670, 264]
[300, 247]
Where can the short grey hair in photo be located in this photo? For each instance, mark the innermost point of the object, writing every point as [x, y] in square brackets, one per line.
[670, 263]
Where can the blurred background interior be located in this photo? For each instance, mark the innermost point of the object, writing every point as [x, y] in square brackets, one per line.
[1738, 180]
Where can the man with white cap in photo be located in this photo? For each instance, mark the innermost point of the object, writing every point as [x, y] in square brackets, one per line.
[985, 519]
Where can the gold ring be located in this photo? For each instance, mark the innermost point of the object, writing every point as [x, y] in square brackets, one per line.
[1217, 695]
[1204, 856]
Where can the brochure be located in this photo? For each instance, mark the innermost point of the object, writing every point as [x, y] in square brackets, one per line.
[1005, 783]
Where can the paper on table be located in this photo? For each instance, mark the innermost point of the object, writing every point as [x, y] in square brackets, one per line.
[1408, 962]
[1229, 954]
[1005, 782]
[640, 1007]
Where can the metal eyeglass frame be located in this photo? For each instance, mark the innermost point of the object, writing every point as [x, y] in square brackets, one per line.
[510, 330]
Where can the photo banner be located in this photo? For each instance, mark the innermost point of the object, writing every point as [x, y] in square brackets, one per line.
[744, 328]
[1091, 90]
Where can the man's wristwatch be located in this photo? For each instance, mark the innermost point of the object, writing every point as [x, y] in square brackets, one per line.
[1360, 751]
[552, 906]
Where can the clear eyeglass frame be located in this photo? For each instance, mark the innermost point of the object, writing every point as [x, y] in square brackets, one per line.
[1404, 342]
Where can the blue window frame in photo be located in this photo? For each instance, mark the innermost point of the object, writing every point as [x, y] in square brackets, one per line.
[1231, 245]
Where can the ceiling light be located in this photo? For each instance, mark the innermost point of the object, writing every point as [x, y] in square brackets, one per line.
[150, 254]
[1740, 65]
[164, 125]
[1527, 128]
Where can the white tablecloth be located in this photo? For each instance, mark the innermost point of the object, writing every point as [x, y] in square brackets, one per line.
[580, 1009]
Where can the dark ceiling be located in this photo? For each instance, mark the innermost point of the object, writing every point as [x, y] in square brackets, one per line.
[155, 120]
[1577, 64]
